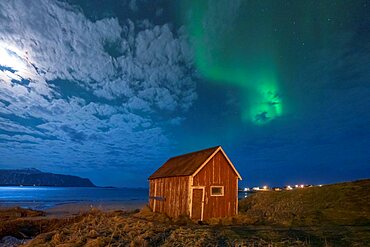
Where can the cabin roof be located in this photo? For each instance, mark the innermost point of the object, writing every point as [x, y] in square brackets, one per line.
[188, 164]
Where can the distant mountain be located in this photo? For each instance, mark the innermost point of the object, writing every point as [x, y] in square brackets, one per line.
[34, 177]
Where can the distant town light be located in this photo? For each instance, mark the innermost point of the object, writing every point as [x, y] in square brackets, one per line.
[288, 187]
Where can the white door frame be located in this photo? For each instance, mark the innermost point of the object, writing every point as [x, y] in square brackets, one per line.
[202, 204]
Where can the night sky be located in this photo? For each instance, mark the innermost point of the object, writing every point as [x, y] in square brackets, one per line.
[111, 89]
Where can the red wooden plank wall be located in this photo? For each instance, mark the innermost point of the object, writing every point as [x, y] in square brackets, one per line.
[218, 172]
[174, 194]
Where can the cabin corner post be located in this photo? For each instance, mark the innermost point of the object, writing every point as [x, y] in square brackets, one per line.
[190, 197]
[237, 196]
[202, 209]
[155, 194]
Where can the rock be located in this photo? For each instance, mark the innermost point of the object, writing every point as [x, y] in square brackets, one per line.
[9, 241]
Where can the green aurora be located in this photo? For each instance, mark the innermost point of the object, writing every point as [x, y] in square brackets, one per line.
[251, 46]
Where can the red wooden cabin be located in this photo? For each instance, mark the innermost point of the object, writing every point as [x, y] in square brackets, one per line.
[202, 185]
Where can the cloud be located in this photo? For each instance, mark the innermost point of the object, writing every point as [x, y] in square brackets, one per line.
[62, 43]
[114, 79]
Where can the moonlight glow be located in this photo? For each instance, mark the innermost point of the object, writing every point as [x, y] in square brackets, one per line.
[10, 60]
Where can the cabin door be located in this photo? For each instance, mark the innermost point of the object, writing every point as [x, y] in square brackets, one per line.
[197, 204]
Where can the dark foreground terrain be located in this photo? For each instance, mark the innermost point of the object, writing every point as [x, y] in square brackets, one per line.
[333, 215]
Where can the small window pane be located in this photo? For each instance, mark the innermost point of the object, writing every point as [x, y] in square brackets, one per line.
[217, 191]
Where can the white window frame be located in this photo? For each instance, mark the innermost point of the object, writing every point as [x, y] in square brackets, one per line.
[218, 186]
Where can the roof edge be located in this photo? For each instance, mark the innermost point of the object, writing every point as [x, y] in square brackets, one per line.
[150, 177]
[172, 176]
[211, 156]
[218, 146]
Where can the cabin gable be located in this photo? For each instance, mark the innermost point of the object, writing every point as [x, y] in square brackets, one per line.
[215, 175]
[219, 149]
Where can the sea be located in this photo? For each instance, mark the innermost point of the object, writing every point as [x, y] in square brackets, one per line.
[47, 197]
[41, 198]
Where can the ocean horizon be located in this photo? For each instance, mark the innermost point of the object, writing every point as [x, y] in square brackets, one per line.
[48, 197]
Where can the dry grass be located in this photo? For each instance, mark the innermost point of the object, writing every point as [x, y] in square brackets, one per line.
[337, 204]
[149, 229]
[25, 223]
[17, 212]
[109, 229]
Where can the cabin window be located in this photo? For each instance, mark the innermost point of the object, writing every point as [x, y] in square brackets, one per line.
[217, 190]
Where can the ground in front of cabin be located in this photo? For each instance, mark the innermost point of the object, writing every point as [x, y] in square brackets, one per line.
[97, 228]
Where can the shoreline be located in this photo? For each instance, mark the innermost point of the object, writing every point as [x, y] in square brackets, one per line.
[71, 201]
[68, 209]
[72, 209]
